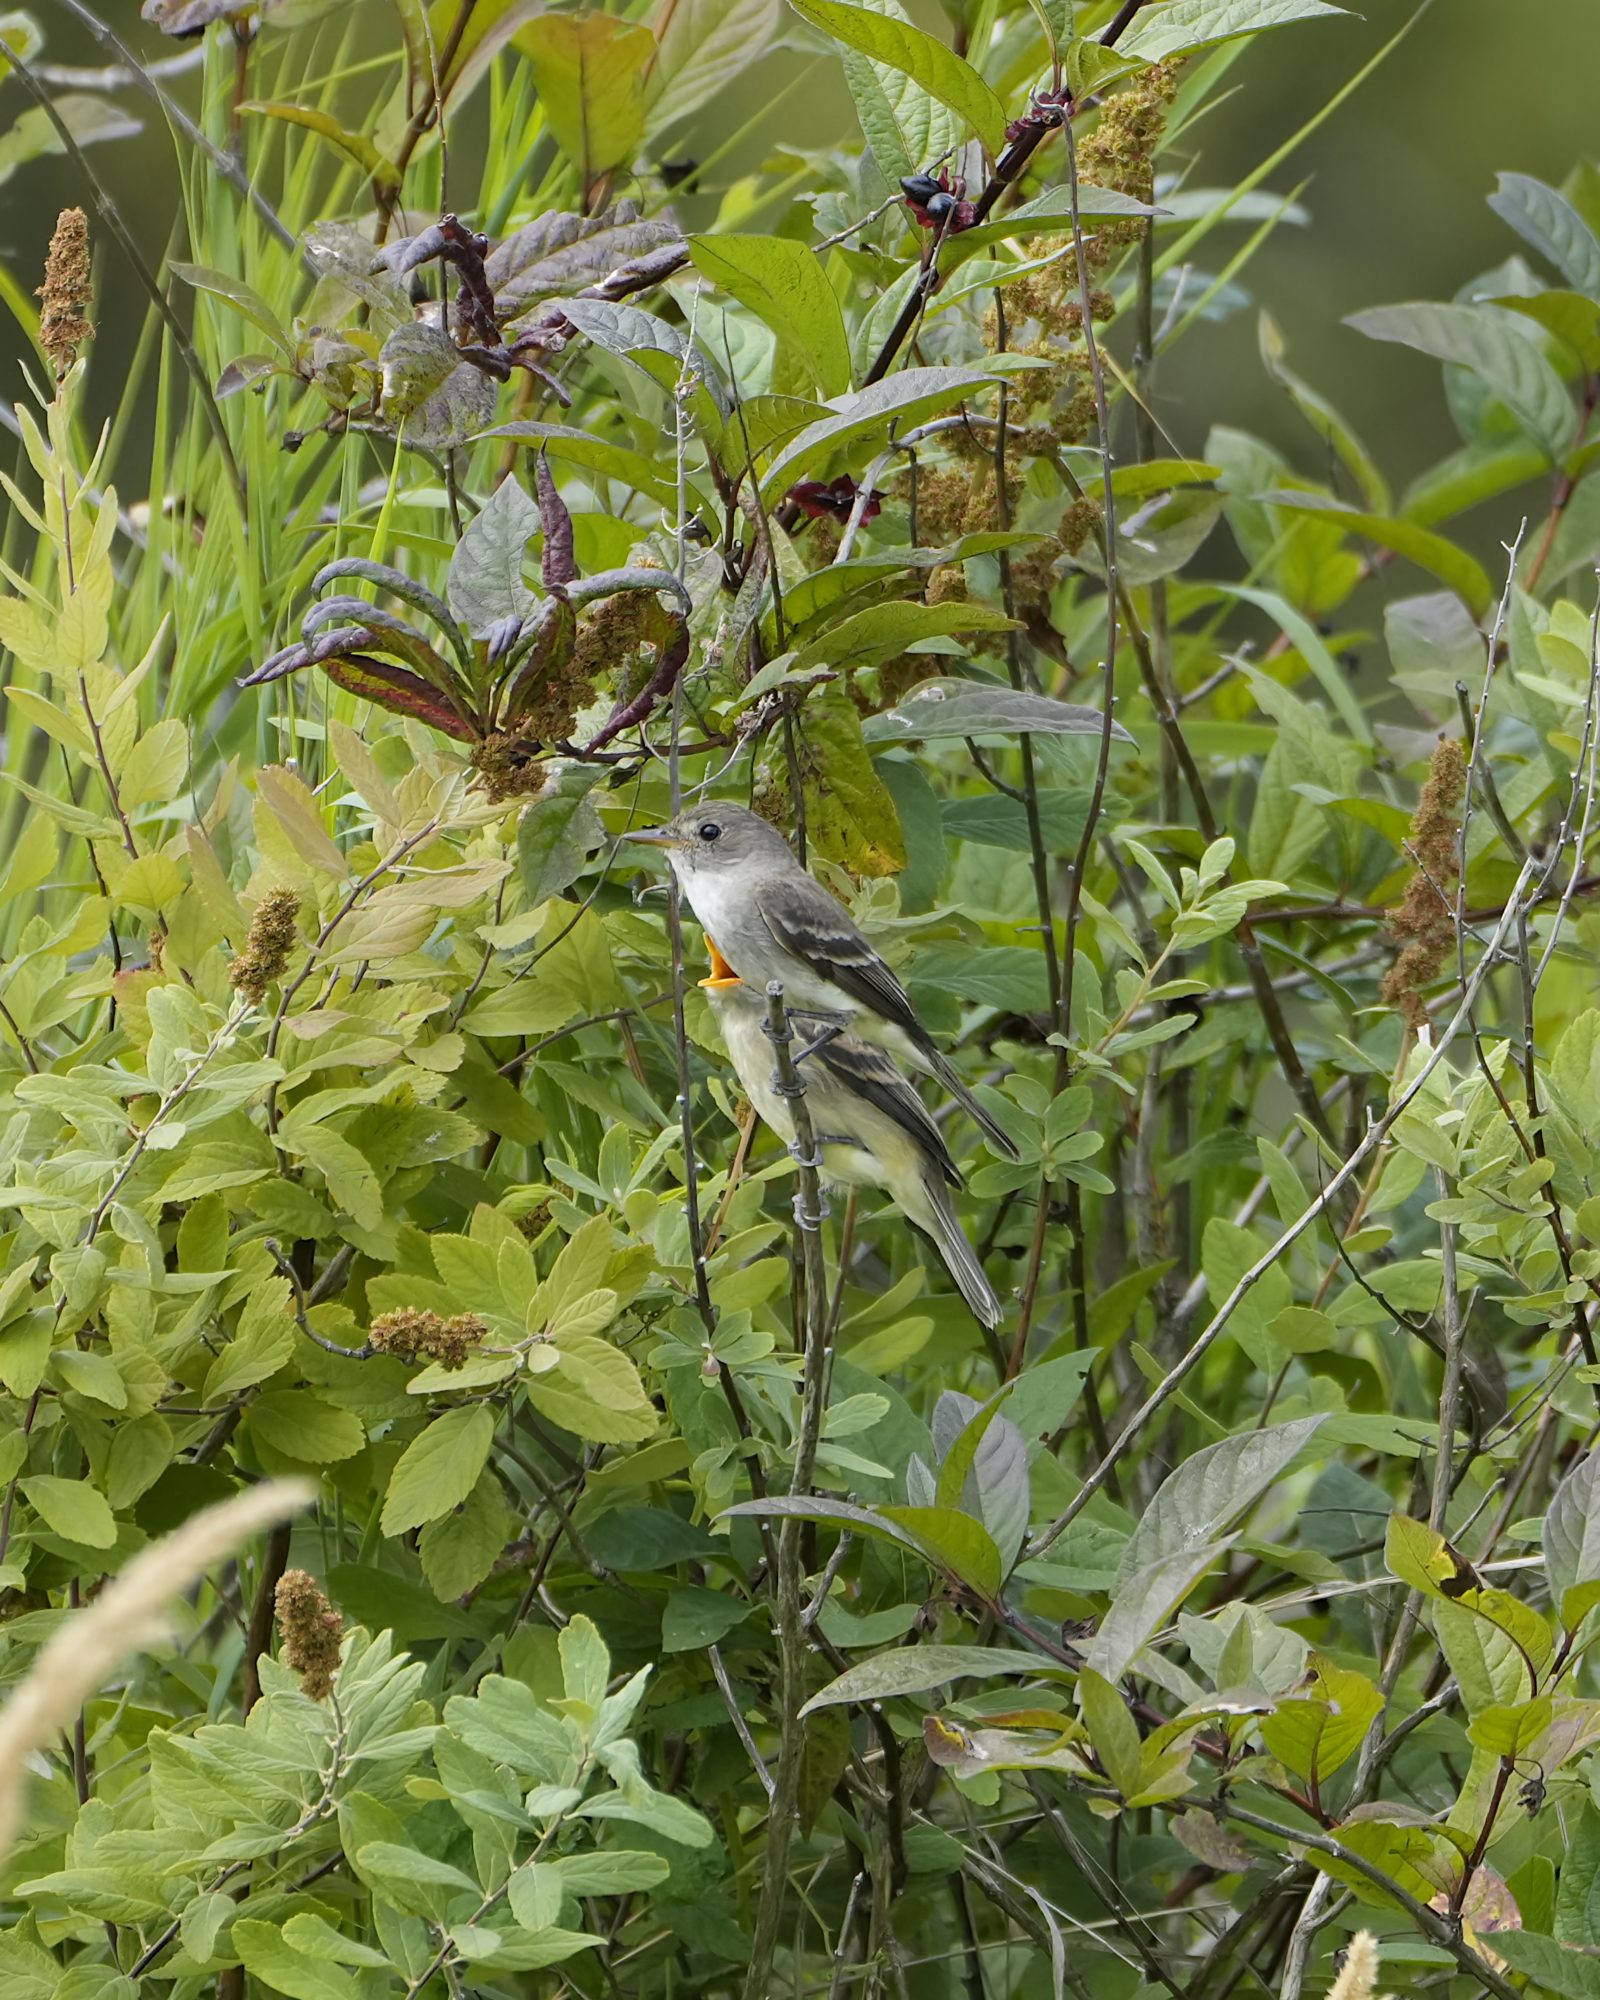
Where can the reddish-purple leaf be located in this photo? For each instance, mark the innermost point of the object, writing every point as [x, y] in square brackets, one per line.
[560, 565]
[400, 692]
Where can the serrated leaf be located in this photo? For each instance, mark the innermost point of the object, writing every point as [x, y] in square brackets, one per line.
[1196, 24]
[918, 55]
[438, 1469]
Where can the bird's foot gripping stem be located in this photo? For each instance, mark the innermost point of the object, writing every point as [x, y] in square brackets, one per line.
[830, 1030]
[810, 1219]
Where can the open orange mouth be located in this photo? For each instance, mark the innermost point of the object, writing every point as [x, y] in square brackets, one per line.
[722, 973]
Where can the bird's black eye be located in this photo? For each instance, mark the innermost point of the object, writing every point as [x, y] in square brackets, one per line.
[709, 830]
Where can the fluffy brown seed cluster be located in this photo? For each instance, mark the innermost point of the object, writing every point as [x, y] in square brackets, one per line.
[1044, 314]
[508, 763]
[412, 1333]
[1120, 152]
[273, 935]
[617, 637]
[1424, 922]
[64, 324]
[310, 1630]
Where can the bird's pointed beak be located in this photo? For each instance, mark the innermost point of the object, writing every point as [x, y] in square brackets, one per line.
[654, 836]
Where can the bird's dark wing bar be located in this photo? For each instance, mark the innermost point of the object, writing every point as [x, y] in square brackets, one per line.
[806, 920]
[875, 1076]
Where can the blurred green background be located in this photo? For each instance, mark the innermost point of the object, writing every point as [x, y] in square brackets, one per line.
[1395, 181]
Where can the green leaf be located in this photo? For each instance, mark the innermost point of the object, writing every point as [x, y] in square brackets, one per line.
[1553, 226]
[352, 1179]
[1500, 354]
[1010, 977]
[943, 1539]
[941, 708]
[1441, 558]
[557, 833]
[301, 1425]
[781, 281]
[1552, 1967]
[915, 1669]
[609, 1871]
[355, 145]
[595, 1392]
[590, 71]
[1316, 1732]
[438, 1469]
[1142, 1604]
[485, 583]
[243, 297]
[695, 1617]
[864, 417]
[993, 820]
[268, 1956]
[701, 46]
[632, 469]
[585, 1662]
[1199, 1498]
[459, 1549]
[1112, 1731]
[883, 630]
[917, 55]
[1577, 1915]
[72, 1508]
[905, 126]
[1196, 24]
[850, 812]
[1572, 1529]
[1570, 317]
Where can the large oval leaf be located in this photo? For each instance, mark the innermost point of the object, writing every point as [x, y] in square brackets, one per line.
[922, 57]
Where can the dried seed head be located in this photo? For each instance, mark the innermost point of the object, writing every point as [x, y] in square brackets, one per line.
[1424, 921]
[64, 325]
[412, 1333]
[310, 1629]
[272, 937]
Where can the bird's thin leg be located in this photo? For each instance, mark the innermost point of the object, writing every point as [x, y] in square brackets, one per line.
[829, 1032]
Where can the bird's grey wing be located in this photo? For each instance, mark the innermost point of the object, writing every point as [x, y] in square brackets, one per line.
[877, 1078]
[805, 920]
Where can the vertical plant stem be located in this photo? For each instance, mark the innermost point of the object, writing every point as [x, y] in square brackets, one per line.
[789, 1584]
[1450, 1391]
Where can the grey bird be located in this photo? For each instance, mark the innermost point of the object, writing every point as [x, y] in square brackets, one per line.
[869, 1125]
[766, 919]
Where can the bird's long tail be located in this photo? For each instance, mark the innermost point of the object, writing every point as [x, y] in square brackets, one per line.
[960, 1259]
[945, 1072]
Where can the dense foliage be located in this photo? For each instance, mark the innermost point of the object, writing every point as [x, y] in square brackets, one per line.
[686, 1606]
